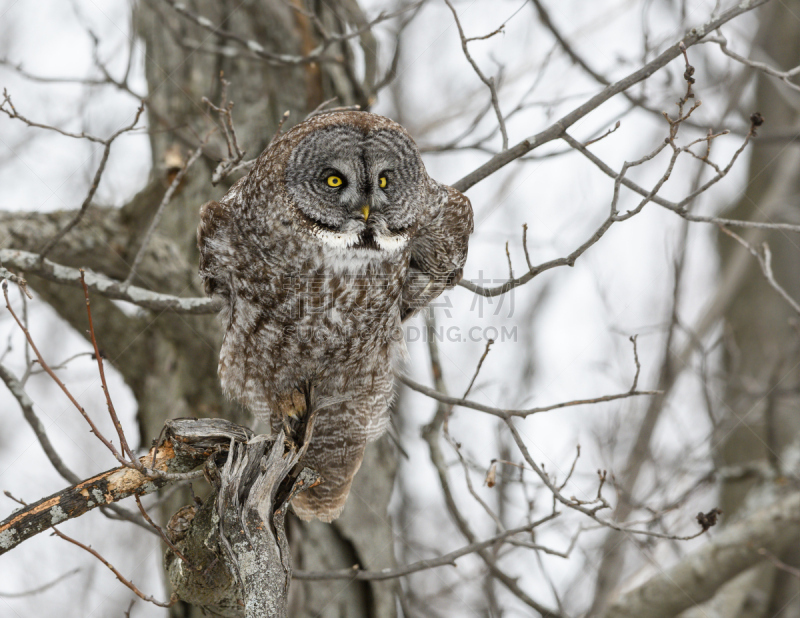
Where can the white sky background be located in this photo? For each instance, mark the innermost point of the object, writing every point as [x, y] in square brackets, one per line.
[576, 342]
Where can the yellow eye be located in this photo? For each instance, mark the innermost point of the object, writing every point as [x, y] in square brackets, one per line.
[334, 181]
[382, 182]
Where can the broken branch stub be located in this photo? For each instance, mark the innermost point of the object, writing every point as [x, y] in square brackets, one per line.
[187, 444]
[236, 541]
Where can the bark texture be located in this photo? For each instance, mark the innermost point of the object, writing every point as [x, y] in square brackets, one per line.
[235, 558]
[698, 577]
[759, 420]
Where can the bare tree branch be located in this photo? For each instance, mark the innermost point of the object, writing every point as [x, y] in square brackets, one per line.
[30, 263]
[507, 413]
[36, 425]
[556, 130]
[697, 577]
[764, 258]
[448, 559]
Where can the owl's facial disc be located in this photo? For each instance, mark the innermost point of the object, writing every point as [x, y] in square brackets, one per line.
[357, 189]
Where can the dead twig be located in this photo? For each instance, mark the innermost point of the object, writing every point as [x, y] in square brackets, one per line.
[508, 413]
[558, 128]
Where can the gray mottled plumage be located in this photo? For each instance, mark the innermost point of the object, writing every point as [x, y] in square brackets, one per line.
[316, 286]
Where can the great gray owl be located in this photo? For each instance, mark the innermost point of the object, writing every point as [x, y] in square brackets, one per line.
[334, 238]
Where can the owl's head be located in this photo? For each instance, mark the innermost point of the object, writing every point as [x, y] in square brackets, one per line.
[357, 181]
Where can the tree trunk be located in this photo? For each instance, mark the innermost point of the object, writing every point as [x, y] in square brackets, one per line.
[759, 419]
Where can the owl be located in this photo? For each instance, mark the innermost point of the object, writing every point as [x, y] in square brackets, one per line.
[335, 237]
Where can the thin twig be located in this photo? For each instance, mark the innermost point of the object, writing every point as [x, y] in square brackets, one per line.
[478, 368]
[581, 506]
[161, 533]
[764, 259]
[648, 196]
[99, 357]
[112, 511]
[780, 564]
[119, 576]
[636, 362]
[680, 207]
[784, 76]
[422, 565]
[488, 81]
[572, 467]
[26, 404]
[253, 49]
[60, 384]
[604, 135]
[235, 152]
[160, 210]
[47, 246]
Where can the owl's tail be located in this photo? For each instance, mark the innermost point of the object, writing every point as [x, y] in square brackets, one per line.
[337, 457]
[341, 428]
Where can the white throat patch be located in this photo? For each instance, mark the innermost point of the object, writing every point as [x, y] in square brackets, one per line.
[342, 253]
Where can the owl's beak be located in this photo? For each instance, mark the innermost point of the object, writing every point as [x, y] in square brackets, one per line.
[365, 211]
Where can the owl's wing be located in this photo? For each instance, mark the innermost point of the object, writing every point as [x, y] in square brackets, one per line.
[214, 244]
[438, 253]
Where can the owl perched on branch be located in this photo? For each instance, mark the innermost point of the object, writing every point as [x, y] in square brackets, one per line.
[334, 238]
